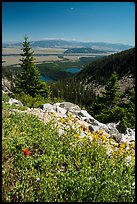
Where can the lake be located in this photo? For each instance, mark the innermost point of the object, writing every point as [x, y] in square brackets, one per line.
[47, 79]
[73, 70]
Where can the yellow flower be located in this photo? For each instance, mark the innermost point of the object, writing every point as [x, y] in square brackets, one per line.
[62, 120]
[115, 145]
[77, 135]
[123, 145]
[132, 145]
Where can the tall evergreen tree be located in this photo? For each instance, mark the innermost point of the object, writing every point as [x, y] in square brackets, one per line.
[111, 94]
[104, 106]
[29, 80]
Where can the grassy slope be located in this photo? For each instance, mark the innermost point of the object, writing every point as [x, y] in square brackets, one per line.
[68, 171]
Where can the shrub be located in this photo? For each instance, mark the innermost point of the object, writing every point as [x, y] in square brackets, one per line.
[5, 97]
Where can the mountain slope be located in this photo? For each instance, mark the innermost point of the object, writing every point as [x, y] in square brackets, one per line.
[82, 88]
[100, 70]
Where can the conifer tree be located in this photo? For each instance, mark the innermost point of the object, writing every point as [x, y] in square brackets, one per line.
[104, 106]
[29, 80]
[111, 94]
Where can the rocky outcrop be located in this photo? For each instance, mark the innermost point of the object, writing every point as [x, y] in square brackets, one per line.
[80, 118]
[85, 120]
[68, 116]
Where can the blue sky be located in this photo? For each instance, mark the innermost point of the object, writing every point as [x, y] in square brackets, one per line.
[112, 22]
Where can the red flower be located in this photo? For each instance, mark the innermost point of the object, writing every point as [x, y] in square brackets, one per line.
[26, 152]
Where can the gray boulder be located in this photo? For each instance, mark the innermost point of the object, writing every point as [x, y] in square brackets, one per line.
[94, 124]
[112, 128]
[73, 108]
[85, 116]
[61, 110]
[113, 132]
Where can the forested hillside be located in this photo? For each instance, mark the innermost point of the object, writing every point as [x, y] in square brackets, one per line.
[82, 89]
[97, 72]
[100, 70]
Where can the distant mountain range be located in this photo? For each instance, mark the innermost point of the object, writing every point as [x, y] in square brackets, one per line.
[72, 44]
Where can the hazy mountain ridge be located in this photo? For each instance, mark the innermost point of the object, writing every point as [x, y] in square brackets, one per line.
[83, 50]
[72, 44]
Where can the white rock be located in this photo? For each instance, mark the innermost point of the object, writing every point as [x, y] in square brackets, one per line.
[84, 113]
[130, 134]
[73, 108]
[103, 126]
[124, 139]
[61, 110]
[95, 128]
[14, 101]
[93, 121]
[47, 107]
[112, 128]
[55, 106]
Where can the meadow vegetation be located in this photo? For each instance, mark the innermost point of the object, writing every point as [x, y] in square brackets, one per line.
[59, 168]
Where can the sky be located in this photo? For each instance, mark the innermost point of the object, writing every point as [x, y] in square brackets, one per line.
[112, 22]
